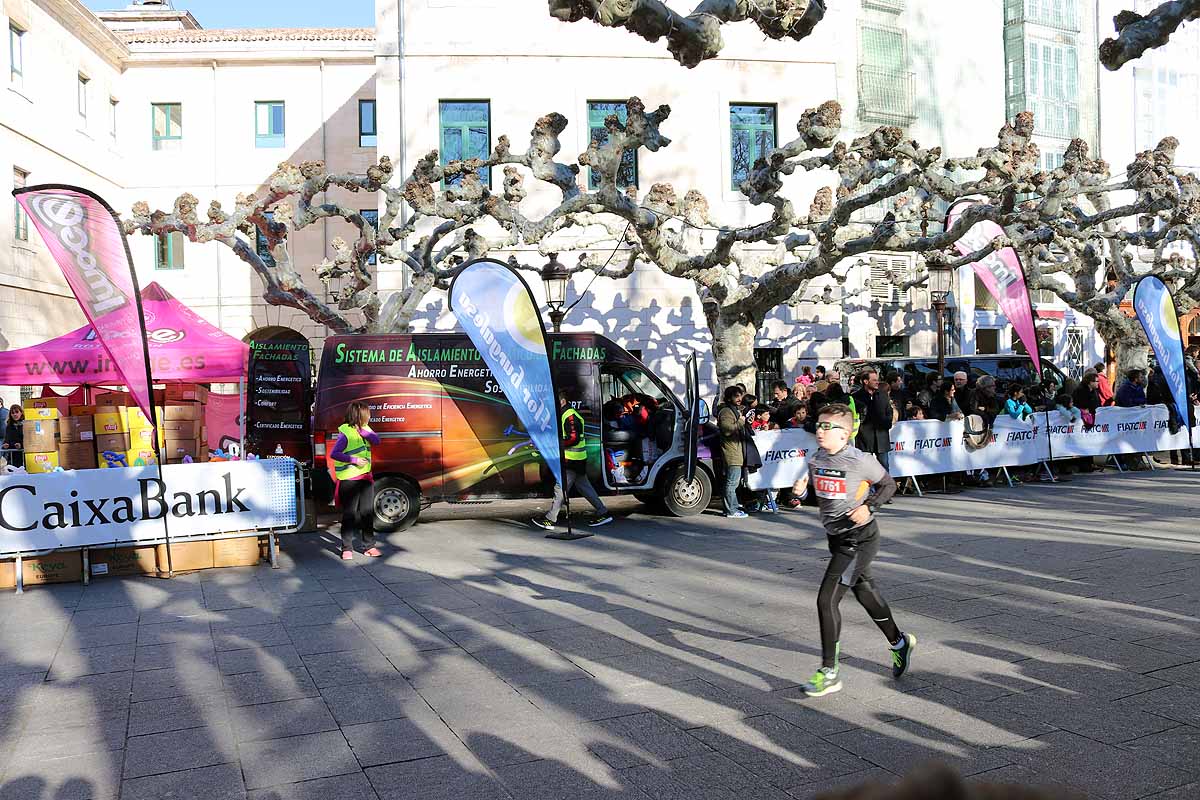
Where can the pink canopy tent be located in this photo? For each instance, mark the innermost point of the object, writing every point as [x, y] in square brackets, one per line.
[183, 349]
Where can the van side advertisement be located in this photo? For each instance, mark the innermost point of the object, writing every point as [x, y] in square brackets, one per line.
[442, 415]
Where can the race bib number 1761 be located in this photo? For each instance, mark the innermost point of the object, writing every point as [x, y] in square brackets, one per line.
[830, 484]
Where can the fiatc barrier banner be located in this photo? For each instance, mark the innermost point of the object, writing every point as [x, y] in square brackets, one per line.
[784, 457]
[85, 238]
[116, 506]
[1001, 273]
[931, 447]
[1155, 309]
[494, 306]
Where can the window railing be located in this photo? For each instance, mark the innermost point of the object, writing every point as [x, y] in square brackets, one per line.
[1062, 15]
[886, 95]
[885, 5]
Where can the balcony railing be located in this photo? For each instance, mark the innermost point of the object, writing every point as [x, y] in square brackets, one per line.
[1063, 17]
[886, 95]
[886, 5]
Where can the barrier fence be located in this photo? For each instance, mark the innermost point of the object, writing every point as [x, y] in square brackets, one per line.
[930, 447]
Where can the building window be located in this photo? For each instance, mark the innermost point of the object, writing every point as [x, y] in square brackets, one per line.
[1052, 88]
[751, 136]
[20, 220]
[1061, 14]
[371, 215]
[885, 272]
[984, 300]
[598, 112]
[168, 251]
[82, 99]
[112, 117]
[465, 133]
[891, 346]
[16, 55]
[885, 82]
[768, 363]
[987, 341]
[268, 124]
[368, 131]
[167, 127]
[260, 242]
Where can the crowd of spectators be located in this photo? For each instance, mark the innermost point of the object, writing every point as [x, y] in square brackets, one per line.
[880, 401]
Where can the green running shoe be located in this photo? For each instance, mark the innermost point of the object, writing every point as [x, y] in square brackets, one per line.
[824, 681]
[902, 656]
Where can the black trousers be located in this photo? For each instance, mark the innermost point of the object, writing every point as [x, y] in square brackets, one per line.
[850, 568]
[358, 512]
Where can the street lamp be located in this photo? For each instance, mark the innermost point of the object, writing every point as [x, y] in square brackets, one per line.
[941, 279]
[555, 277]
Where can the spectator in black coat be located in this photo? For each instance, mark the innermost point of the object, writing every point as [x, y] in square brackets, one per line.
[783, 404]
[944, 405]
[875, 417]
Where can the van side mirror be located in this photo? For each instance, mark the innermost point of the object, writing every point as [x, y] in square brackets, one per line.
[704, 412]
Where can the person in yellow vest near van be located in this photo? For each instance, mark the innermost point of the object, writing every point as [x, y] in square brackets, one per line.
[351, 455]
[574, 468]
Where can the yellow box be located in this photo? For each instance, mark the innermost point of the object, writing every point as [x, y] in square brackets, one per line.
[50, 407]
[40, 462]
[136, 419]
[144, 455]
[110, 423]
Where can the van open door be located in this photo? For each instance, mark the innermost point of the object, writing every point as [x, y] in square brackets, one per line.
[691, 431]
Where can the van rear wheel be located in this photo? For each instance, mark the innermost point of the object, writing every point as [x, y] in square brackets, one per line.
[684, 499]
[397, 504]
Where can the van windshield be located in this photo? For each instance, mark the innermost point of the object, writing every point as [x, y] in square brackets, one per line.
[634, 381]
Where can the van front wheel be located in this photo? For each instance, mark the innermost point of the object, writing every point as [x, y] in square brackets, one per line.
[397, 503]
[684, 499]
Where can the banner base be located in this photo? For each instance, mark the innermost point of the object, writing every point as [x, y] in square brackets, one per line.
[569, 536]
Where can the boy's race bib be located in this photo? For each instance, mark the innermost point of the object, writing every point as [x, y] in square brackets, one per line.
[830, 483]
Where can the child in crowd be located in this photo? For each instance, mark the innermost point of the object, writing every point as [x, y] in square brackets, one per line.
[1065, 404]
[806, 376]
[843, 478]
[799, 417]
[917, 412]
[764, 499]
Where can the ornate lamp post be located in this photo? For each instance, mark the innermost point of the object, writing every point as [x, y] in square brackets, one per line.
[941, 280]
[555, 278]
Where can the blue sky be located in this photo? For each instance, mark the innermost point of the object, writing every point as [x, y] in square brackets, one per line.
[268, 13]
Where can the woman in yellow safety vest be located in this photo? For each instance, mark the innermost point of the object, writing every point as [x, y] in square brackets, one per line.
[351, 455]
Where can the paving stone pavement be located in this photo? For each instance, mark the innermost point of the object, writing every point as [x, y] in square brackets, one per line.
[1059, 633]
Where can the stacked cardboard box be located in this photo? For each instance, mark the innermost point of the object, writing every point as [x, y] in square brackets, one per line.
[184, 432]
[40, 431]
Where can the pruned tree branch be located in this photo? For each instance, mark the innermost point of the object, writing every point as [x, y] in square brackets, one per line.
[695, 37]
[1136, 33]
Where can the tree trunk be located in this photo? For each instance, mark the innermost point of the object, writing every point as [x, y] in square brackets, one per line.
[1124, 336]
[733, 349]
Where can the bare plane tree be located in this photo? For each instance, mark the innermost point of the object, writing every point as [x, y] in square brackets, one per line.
[1136, 33]
[1077, 229]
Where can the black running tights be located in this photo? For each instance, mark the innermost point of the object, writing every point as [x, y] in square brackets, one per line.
[849, 568]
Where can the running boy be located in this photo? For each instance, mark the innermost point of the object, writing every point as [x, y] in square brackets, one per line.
[843, 478]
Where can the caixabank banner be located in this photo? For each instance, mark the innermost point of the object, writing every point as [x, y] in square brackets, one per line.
[117, 506]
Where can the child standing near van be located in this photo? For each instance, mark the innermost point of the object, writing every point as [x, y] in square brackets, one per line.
[844, 478]
[355, 493]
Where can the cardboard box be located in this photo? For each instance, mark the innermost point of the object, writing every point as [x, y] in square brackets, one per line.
[117, 442]
[182, 428]
[41, 435]
[176, 449]
[112, 399]
[134, 457]
[185, 556]
[242, 552]
[142, 437]
[76, 429]
[83, 411]
[77, 455]
[109, 422]
[60, 407]
[124, 561]
[66, 567]
[36, 463]
[136, 419]
[191, 392]
[183, 411]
